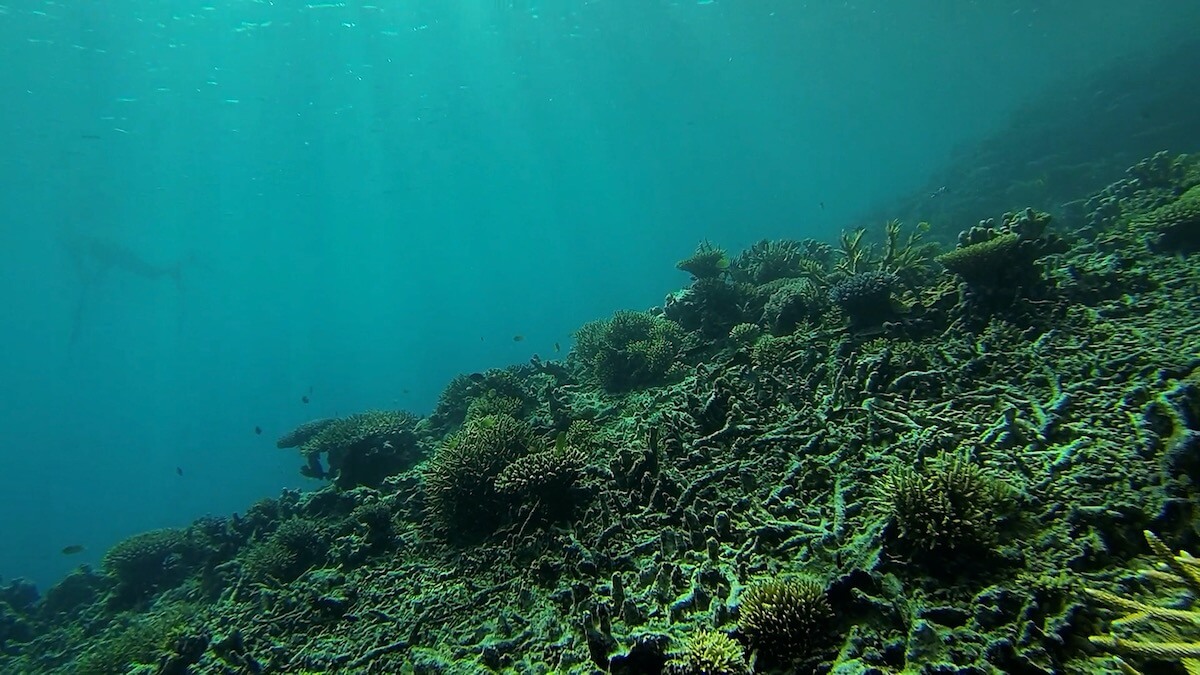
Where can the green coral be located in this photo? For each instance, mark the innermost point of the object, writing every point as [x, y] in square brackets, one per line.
[291, 549]
[494, 403]
[745, 333]
[1176, 226]
[980, 261]
[628, 351]
[460, 478]
[708, 262]
[549, 474]
[146, 561]
[364, 448]
[953, 506]
[793, 303]
[785, 618]
[768, 261]
[709, 652]
[134, 640]
[1170, 626]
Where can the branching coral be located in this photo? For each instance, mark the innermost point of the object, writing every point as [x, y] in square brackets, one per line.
[785, 619]
[459, 479]
[363, 449]
[628, 351]
[548, 475]
[1176, 226]
[708, 262]
[768, 261]
[709, 652]
[793, 303]
[1174, 628]
[865, 298]
[304, 433]
[953, 506]
[146, 561]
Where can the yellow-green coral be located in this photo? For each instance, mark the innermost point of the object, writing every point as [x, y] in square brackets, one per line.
[1172, 630]
[951, 506]
[1177, 225]
[785, 618]
[707, 262]
[709, 652]
[974, 261]
[546, 474]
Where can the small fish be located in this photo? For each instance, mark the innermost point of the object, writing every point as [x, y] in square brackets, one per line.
[822, 206]
[557, 347]
[179, 470]
[73, 549]
[304, 398]
[518, 338]
[258, 431]
[475, 377]
[940, 191]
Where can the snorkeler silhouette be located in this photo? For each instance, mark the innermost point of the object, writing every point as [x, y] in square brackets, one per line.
[93, 258]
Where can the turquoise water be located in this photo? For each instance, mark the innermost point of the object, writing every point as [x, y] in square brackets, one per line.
[213, 211]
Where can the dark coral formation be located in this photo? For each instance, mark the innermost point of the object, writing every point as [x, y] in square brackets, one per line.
[1176, 226]
[957, 448]
[363, 449]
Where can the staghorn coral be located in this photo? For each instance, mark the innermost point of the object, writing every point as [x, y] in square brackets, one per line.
[793, 303]
[710, 306]
[979, 262]
[708, 262]
[1173, 628]
[494, 403]
[708, 652]
[999, 269]
[628, 351]
[785, 619]
[296, 545]
[952, 506]
[745, 334]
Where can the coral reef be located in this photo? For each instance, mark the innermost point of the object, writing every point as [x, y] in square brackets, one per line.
[845, 458]
[786, 619]
[363, 449]
[629, 350]
[709, 652]
[708, 262]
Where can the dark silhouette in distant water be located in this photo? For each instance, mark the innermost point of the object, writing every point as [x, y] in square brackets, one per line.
[94, 257]
[72, 549]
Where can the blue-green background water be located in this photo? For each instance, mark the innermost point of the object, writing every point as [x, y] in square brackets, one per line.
[362, 200]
